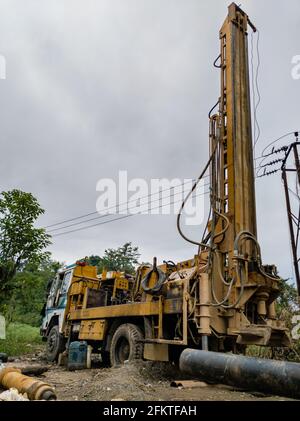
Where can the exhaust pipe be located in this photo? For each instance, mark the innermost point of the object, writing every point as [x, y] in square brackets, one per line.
[267, 376]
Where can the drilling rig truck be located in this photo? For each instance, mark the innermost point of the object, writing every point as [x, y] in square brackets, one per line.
[218, 302]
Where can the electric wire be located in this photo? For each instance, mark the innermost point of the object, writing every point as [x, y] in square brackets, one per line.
[118, 212]
[121, 217]
[275, 141]
[120, 204]
[265, 155]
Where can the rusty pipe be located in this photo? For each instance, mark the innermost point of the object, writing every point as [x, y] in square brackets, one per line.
[35, 389]
[263, 375]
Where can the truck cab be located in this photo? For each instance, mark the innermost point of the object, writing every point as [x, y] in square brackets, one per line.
[54, 310]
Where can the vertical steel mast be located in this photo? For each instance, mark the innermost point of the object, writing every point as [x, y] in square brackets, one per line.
[242, 288]
[236, 133]
[233, 190]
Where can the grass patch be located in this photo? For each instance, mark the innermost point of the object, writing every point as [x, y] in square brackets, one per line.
[20, 339]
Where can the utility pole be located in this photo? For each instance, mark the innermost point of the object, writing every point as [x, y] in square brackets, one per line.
[293, 218]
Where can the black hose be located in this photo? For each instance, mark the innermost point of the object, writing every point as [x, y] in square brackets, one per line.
[186, 199]
[161, 277]
[210, 112]
[218, 66]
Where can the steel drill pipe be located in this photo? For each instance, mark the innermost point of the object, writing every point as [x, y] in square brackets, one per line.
[268, 376]
[35, 389]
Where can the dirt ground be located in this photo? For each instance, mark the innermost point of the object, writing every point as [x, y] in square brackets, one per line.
[138, 381]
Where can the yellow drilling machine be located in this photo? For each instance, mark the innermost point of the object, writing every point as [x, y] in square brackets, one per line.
[205, 311]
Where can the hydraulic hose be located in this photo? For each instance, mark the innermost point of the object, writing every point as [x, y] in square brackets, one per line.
[248, 235]
[200, 244]
[161, 277]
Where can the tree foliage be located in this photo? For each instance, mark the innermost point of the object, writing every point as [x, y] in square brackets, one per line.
[29, 294]
[123, 259]
[20, 241]
[287, 302]
[94, 260]
[286, 307]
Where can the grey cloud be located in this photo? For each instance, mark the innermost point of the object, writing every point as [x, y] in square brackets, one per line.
[94, 87]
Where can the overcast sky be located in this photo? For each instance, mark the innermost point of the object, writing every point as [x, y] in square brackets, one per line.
[94, 87]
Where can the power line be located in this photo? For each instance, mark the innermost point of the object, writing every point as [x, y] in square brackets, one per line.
[277, 140]
[120, 204]
[125, 216]
[121, 217]
[269, 164]
[151, 194]
[113, 207]
[117, 206]
[265, 174]
[276, 161]
[264, 156]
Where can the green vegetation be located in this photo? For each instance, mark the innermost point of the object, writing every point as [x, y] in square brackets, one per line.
[29, 294]
[123, 259]
[20, 339]
[286, 307]
[20, 242]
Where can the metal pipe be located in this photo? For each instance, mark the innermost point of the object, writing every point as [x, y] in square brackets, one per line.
[204, 342]
[204, 306]
[35, 389]
[263, 375]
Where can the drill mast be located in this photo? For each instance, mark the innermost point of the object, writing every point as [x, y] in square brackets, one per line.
[234, 181]
[241, 286]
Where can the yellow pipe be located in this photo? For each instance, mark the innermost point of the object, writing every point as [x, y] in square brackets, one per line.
[35, 389]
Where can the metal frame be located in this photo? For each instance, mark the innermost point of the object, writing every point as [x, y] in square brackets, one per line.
[293, 218]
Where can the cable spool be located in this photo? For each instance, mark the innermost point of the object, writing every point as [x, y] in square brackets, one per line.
[161, 277]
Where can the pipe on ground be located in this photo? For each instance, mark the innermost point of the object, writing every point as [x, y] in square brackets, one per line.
[267, 376]
[35, 389]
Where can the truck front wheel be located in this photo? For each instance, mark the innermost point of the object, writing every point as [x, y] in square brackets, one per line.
[127, 344]
[55, 344]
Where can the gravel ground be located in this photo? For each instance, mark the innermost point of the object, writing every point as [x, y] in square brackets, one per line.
[138, 381]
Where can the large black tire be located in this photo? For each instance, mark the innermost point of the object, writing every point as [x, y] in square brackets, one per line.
[126, 344]
[55, 344]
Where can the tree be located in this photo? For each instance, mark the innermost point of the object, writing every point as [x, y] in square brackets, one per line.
[286, 308]
[94, 260]
[20, 242]
[287, 302]
[121, 259]
[30, 291]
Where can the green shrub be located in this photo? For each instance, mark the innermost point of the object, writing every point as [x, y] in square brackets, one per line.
[20, 339]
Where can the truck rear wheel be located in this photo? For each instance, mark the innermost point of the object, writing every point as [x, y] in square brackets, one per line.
[55, 344]
[126, 344]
